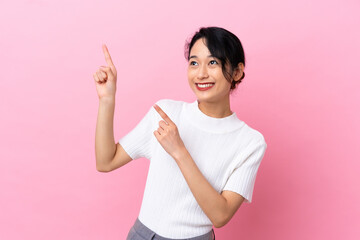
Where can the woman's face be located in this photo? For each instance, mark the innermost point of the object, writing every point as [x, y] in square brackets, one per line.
[205, 75]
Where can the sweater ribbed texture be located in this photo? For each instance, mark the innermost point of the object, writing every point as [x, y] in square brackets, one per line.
[226, 150]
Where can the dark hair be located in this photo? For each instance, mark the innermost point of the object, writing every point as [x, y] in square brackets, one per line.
[223, 45]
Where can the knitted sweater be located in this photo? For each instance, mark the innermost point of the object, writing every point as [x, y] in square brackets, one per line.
[226, 150]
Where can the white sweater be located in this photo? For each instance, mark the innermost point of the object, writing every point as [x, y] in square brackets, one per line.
[227, 151]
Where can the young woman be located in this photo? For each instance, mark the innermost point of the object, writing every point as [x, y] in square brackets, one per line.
[203, 158]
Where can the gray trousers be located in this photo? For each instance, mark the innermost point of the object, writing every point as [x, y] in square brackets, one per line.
[140, 232]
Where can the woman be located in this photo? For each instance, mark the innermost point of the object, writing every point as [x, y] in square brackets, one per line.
[203, 159]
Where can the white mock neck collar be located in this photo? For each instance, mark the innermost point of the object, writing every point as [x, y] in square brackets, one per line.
[211, 124]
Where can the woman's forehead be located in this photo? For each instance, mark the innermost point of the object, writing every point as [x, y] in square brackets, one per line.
[199, 49]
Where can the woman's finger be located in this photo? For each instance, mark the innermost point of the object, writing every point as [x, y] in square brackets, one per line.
[108, 71]
[103, 73]
[163, 124]
[163, 114]
[96, 77]
[157, 135]
[99, 76]
[98, 73]
[109, 60]
[107, 55]
[161, 131]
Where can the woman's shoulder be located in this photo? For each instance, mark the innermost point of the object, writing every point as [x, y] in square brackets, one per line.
[170, 104]
[171, 107]
[253, 134]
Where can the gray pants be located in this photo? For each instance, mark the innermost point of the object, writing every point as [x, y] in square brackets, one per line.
[140, 232]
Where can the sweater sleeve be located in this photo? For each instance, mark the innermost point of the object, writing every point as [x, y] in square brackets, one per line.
[137, 143]
[242, 178]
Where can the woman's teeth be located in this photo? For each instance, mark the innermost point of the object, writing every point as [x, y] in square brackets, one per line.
[205, 85]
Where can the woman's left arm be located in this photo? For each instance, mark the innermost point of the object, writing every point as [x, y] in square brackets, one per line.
[219, 208]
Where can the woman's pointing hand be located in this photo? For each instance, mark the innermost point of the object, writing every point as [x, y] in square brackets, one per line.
[168, 135]
[105, 77]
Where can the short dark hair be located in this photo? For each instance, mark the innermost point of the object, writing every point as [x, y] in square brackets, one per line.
[224, 46]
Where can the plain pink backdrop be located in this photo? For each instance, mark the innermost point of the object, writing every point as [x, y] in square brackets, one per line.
[300, 92]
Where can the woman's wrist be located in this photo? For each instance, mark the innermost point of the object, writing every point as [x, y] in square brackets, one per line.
[181, 154]
[107, 100]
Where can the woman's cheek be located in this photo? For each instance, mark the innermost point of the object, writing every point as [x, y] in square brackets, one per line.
[190, 75]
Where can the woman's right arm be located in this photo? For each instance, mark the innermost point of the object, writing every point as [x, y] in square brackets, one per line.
[109, 155]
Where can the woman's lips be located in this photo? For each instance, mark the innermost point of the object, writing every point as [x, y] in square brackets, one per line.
[204, 84]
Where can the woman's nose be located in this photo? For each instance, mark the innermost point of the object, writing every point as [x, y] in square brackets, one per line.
[203, 73]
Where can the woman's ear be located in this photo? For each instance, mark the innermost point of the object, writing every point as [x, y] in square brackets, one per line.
[238, 72]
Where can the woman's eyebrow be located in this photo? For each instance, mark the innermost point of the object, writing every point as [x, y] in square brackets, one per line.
[194, 56]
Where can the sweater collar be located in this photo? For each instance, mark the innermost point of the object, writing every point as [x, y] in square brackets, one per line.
[211, 124]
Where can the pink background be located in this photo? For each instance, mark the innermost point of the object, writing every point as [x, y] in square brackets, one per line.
[300, 92]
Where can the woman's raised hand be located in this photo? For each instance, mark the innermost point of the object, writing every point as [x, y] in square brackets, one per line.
[105, 77]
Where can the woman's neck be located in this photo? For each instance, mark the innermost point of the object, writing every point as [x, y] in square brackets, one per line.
[216, 109]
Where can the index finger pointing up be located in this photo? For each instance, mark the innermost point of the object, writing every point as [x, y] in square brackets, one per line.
[107, 55]
[163, 114]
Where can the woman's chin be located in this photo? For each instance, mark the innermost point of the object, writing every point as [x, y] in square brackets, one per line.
[203, 98]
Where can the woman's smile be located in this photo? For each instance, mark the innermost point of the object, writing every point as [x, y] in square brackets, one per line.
[204, 86]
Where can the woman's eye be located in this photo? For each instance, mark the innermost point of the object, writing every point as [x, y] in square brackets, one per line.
[213, 62]
[193, 63]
